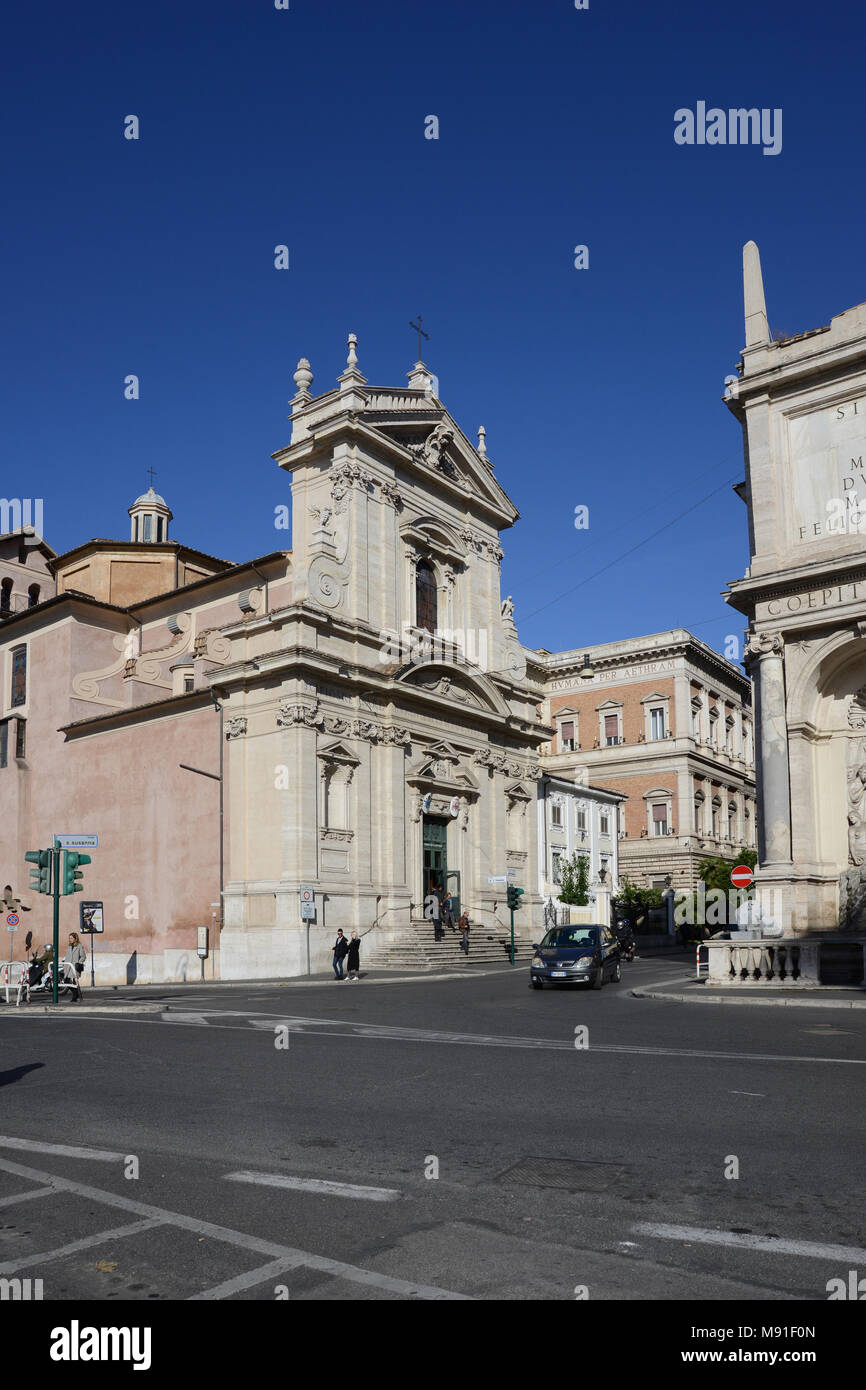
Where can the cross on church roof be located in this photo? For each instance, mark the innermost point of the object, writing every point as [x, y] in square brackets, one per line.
[152, 475]
[421, 334]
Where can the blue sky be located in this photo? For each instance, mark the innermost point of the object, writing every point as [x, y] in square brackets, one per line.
[306, 127]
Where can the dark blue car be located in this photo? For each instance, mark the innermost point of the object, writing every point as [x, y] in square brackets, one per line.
[576, 955]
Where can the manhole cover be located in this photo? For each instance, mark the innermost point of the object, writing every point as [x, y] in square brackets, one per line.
[567, 1174]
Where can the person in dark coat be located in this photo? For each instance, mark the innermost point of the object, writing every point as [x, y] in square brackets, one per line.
[353, 959]
[463, 925]
[341, 950]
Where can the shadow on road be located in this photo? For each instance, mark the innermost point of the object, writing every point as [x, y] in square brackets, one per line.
[16, 1073]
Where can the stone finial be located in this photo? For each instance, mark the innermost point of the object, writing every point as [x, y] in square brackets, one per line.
[482, 446]
[303, 375]
[757, 328]
[352, 360]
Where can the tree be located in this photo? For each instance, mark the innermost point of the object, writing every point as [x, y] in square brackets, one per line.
[574, 880]
[632, 901]
[716, 872]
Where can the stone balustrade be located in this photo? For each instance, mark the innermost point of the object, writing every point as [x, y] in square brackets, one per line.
[786, 962]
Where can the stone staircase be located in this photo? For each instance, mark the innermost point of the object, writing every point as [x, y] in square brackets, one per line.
[416, 948]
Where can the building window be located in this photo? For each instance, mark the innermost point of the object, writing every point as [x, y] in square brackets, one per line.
[660, 819]
[555, 813]
[657, 723]
[715, 818]
[147, 528]
[160, 522]
[566, 736]
[33, 595]
[714, 724]
[556, 873]
[696, 719]
[21, 738]
[188, 685]
[425, 596]
[611, 730]
[699, 815]
[19, 676]
[604, 823]
[6, 596]
[581, 819]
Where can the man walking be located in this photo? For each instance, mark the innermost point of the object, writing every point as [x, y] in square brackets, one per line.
[463, 924]
[341, 950]
[353, 959]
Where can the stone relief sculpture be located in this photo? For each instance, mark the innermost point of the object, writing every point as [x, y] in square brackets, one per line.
[856, 809]
[857, 710]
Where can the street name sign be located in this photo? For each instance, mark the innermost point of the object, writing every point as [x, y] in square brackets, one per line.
[77, 841]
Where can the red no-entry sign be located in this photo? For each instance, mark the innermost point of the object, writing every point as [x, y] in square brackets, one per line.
[741, 876]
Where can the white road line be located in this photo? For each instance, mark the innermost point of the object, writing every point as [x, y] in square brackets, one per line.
[246, 1281]
[62, 1150]
[86, 1242]
[812, 1249]
[159, 1216]
[327, 1189]
[748, 1093]
[26, 1196]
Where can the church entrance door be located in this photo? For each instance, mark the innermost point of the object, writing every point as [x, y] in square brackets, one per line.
[435, 854]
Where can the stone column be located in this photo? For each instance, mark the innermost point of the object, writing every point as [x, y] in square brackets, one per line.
[774, 795]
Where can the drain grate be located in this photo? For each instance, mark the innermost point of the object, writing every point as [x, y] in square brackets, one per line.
[566, 1174]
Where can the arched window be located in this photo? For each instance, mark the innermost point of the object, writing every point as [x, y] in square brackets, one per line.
[425, 596]
[6, 596]
[33, 595]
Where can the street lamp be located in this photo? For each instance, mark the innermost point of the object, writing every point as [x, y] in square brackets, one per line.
[586, 672]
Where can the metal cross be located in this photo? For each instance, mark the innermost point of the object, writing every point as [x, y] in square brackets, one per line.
[152, 475]
[421, 334]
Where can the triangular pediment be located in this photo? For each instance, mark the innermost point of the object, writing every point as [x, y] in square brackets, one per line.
[436, 446]
[337, 753]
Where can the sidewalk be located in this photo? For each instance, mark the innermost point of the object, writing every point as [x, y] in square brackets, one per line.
[688, 990]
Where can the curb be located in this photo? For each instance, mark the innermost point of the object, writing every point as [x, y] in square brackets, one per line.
[55, 1010]
[761, 1003]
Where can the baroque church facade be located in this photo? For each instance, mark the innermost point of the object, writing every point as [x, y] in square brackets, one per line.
[355, 717]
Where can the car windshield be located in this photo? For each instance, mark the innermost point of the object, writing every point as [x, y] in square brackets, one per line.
[562, 937]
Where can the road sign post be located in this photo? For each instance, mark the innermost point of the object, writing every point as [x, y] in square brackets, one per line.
[55, 879]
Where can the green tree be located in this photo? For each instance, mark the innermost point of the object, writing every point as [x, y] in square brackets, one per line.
[574, 880]
[716, 872]
[631, 900]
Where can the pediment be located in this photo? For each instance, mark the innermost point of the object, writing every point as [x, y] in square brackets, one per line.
[443, 766]
[337, 753]
[438, 447]
[454, 684]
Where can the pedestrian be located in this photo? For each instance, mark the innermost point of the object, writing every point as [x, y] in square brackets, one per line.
[463, 924]
[353, 958]
[77, 957]
[341, 950]
[436, 900]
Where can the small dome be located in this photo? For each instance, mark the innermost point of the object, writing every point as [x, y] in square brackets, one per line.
[150, 498]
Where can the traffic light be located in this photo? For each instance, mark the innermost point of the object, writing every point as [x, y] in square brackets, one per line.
[513, 897]
[71, 872]
[40, 876]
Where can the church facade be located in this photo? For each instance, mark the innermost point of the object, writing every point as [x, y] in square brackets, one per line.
[801, 403]
[317, 738]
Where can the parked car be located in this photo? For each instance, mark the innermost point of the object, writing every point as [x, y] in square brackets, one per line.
[576, 955]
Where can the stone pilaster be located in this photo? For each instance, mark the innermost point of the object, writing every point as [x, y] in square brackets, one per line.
[766, 651]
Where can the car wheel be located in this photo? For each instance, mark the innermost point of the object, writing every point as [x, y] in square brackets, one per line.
[538, 984]
[617, 973]
[598, 978]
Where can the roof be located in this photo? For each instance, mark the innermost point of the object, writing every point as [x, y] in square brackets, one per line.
[148, 547]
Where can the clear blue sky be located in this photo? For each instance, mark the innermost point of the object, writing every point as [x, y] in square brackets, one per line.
[306, 127]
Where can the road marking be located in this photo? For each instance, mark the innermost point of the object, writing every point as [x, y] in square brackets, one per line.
[26, 1196]
[62, 1150]
[770, 1244]
[327, 1189]
[337, 1028]
[160, 1217]
[748, 1093]
[100, 1238]
[246, 1281]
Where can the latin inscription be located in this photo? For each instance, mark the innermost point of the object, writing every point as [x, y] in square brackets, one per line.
[827, 451]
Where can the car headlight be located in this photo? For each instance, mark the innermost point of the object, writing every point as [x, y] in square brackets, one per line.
[584, 963]
[538, 962]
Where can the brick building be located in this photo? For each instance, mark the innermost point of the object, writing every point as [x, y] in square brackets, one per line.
[667, 722]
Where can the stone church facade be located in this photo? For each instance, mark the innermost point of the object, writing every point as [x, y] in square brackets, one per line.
[801, 402]
[355, 716]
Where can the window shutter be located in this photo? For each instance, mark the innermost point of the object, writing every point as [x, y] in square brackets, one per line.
[568, 730]
[611, 726]
[660, 812]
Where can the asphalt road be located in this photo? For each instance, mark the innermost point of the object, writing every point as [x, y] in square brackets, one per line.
[480, 1153]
